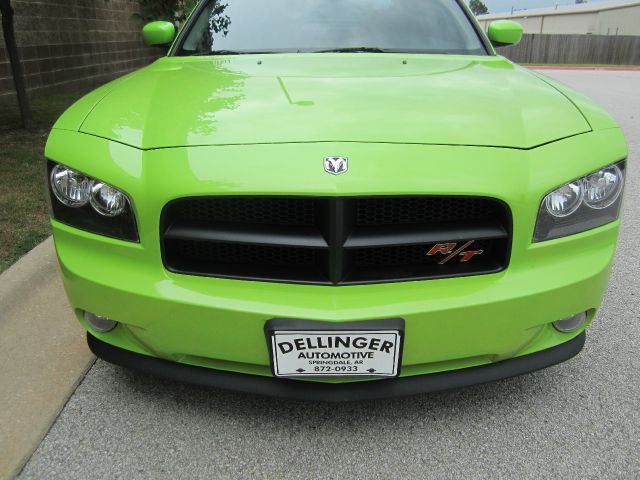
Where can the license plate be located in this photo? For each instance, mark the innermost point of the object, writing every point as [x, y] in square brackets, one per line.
[336, 353]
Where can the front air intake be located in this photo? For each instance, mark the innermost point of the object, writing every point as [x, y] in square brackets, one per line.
[337, 240]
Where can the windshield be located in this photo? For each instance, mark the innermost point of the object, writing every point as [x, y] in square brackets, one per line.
[274, 26]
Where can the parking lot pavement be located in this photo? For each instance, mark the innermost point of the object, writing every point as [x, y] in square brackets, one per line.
[576, 420]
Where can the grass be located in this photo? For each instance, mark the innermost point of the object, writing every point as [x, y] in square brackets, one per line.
[24, 213]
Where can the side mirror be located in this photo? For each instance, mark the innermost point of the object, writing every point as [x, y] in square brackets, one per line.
[159, 33]
[505, 32]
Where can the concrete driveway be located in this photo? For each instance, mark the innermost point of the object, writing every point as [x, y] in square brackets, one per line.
[576, 420]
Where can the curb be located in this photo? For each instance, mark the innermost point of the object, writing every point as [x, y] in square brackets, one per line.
[42, 351]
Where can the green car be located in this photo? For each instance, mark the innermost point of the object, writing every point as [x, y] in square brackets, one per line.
[332, 204]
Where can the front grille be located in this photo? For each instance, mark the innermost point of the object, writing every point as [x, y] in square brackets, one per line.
[336, 241]
[403, 255]
[190, 251]
[418, 210]
[247, 211]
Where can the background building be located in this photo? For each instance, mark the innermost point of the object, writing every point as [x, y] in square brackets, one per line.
[601, 18]
[68, 44]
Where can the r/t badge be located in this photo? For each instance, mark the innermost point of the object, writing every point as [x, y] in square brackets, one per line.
[451, 251]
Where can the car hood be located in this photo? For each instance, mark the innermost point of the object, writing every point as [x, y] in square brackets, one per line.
[388, 98]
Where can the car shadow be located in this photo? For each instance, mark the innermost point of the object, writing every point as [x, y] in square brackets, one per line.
[516, 393]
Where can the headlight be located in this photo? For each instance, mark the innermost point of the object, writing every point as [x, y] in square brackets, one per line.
[69, 186]
[603, 188]
[107, 200]
[90, 204]
[565, 200]
[585, 203]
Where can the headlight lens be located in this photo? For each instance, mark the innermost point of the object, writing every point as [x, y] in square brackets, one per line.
[565, 200]
[585, 203]
[107, 200]
[603, 187]
[90, 204]
[70, 187]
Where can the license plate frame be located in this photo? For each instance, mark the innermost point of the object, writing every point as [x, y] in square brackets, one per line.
[368, 353]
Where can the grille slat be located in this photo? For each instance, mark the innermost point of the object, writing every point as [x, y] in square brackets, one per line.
[234, 234]
[335, 241]
[240, 254]
[364, 237]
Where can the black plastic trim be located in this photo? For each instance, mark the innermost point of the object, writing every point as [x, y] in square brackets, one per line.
[327, 392]
[336, 223]
[186, 28]
[365, 237]
[363, 277]
[285, 236]
[482, 36]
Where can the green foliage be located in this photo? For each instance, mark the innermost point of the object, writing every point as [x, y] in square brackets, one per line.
[175, 11]
[478, 7]
[218, 22]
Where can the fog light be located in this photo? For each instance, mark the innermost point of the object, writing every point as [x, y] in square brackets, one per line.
[571, 324]
[98, 323]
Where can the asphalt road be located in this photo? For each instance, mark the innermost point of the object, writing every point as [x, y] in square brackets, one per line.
[576, 420]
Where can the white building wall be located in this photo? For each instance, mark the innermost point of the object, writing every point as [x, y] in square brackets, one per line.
[620, 21]
[579, 23]
[624, 21]
[531, 24]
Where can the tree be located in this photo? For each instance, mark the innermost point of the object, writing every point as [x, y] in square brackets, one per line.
[478, 7]
[174, 11]
[177, 11]
[14, 60]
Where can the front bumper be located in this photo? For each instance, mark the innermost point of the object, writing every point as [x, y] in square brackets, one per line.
[450, 324]
[348, 392]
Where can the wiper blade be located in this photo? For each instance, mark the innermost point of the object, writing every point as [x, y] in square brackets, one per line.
[353, 50]
[227, 52]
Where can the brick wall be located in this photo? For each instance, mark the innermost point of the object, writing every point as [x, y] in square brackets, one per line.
[66, 44]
